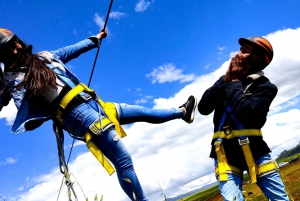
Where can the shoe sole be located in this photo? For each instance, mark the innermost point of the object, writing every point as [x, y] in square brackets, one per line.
[193, 113]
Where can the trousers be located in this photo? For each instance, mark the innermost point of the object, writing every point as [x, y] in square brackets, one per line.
[271, 185]
[78, 120]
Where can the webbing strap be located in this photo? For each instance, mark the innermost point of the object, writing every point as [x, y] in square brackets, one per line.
[242, 134]
[266, 167]
[112, 118]
[261, 169]
[230, 170]
[222, 160]
[98, 154]
[252, 169]
[70, 95]
[237, 133]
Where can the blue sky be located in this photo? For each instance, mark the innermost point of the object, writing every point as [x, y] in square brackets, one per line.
[157, 53]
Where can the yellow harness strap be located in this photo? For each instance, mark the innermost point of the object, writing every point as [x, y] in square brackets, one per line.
[69, 96]
[231, 170]
[98, 154]
[223, 165]
[109, 110]
[222, 161]
[266, 167]
[252, 169]
[112, 116]
[229, 134]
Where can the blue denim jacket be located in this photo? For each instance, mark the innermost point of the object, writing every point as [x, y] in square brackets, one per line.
[31, 116]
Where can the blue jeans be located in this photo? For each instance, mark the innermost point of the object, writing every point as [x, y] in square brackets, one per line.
[78, 120]
[132, 113]
[271, 185]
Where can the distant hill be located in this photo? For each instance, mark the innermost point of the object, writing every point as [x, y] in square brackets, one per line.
[290, 152]
[191, 192]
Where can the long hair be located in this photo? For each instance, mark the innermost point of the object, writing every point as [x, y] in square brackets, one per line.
[38, 75]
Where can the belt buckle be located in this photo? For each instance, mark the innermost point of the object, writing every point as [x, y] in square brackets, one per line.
[227, 130]
[86, 96]
[94, 128]
[244, 141]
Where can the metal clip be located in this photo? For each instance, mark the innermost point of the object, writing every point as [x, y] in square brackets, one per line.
[244, 141]
[93, 127]
[227, 130]
[86, 96]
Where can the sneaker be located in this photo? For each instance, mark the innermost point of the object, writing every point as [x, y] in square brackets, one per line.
[189, 106]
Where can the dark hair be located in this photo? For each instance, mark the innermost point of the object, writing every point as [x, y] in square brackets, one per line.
[38, 74]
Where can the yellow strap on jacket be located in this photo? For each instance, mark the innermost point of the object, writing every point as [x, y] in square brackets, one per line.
[229, 134]
[111, 116]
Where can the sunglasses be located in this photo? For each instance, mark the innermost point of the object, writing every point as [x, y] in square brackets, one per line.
[11, 44]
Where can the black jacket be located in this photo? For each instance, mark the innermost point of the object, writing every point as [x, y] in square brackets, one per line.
[250, 108]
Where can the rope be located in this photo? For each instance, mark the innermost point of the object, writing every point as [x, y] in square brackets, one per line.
[59, 138]
[96, 57]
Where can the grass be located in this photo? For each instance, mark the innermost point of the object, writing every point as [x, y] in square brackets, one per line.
[290, 174]
[203, 195]
[288, 158]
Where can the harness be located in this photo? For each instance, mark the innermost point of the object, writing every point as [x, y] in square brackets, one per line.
[76, 93]
[226, 132]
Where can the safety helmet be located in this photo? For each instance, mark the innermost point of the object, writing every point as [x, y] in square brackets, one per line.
[262, 45]
[5, 36]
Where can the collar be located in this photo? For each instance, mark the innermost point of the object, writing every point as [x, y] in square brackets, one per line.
[256, 75]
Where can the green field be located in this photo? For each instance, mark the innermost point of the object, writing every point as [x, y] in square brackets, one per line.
[291, 178]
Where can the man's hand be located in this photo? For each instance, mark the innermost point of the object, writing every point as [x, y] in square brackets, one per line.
[102, 34]
[237, 70]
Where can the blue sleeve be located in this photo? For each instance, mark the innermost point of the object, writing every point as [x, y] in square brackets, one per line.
[211, 96]
[70, 52]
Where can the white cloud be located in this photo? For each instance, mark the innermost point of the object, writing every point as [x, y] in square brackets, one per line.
[221, 48]
[143, 100]
[175, 154]
[21, 188]
[9, 113]
[8, 161]
[100, 22]
[169, 73]
[117, 15]
[140, 101]
[142, 5]
[207, 66]
[78, 143]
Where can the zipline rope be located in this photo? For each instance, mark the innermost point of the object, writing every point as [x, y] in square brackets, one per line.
[96, 57]
[95, 60]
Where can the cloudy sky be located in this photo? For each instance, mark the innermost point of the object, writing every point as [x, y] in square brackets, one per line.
[156, 55]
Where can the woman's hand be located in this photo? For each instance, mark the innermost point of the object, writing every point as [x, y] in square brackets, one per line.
[102, 34]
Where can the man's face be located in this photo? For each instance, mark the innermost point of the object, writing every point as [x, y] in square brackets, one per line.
[245, 51]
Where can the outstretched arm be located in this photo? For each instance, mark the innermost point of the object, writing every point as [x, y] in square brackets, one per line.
[70, 52]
